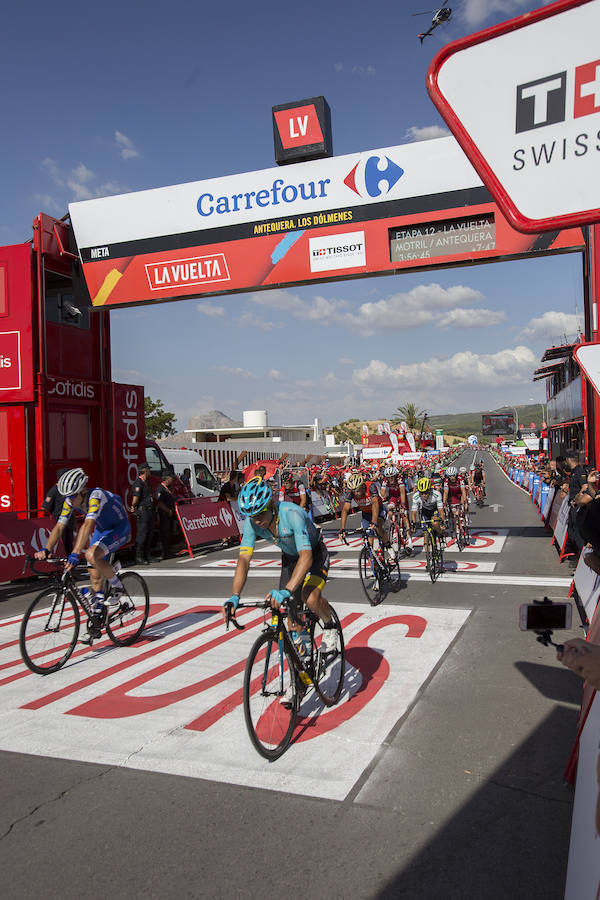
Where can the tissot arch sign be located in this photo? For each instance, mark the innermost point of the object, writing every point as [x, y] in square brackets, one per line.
[414, 206]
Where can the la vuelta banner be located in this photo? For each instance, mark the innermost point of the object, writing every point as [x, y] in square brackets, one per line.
[382, 210]
[204, 521]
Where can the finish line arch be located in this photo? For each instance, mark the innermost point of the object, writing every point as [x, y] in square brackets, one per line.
[407, 208]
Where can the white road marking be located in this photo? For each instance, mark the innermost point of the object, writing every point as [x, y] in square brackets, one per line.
[337, 564]
[173, 704]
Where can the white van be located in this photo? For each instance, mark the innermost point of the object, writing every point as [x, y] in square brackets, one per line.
[202, 481]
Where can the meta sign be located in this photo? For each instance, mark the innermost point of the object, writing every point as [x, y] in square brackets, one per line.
[523, 100]
[302, 131]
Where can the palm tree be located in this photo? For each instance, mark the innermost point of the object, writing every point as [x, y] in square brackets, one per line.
[412, 415]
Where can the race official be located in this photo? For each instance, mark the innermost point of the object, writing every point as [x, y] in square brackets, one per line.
[142, 506]
[165, 502]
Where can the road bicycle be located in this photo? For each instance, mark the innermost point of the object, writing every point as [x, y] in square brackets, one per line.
[378, 567]
[434, 551]
[458, 526]
[279, 672]
[398, 532]
[479, 492]
[50, 626]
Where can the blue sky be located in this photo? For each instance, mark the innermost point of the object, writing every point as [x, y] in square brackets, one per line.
[129, 96]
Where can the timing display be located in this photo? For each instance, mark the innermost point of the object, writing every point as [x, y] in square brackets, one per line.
[451, 237]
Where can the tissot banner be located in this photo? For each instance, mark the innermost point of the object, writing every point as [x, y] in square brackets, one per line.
[381, 210]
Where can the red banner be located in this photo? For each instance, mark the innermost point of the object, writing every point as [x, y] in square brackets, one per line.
[19, 538]
[204, 521]
[129, 436]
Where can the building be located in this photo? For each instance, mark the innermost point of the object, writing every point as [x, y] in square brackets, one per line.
[255, 427]
[564, 397]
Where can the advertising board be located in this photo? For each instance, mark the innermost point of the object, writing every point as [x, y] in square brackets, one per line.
[129, 436]
[379, 211]
[493, 423]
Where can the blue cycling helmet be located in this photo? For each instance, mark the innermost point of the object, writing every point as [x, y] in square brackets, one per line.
[254, 497]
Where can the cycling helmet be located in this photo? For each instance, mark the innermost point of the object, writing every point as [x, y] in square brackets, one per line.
[423, 485]
[390, 471]
[355, 481]
[463, 470]
[451, 471]
[72, 482]
[254, 497]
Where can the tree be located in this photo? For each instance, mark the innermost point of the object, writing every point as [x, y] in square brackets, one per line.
[349, 430]
[412, 415]
[159, 422]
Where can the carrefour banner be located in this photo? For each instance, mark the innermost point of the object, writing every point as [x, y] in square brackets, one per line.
[381, 210]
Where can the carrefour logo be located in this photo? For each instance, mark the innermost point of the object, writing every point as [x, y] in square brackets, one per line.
[368, 176]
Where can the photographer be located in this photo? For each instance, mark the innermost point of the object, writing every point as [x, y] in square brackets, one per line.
[582, 658]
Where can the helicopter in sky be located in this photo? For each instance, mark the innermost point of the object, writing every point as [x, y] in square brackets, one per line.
[440, 16]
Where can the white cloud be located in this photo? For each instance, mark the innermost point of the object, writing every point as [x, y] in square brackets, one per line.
[427, 133]
[510, 366]
[552, 325]
[475, 12]
[363, 71]
[249, 320]
[78, 183]
[237, 371]
[339, 67]
[345, 361]
[48, 204]
[423, 304]
[471, 318]
[275, 374]
[126, 146]
[209, 309]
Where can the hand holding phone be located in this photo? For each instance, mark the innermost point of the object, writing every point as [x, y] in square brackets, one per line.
[545, 616]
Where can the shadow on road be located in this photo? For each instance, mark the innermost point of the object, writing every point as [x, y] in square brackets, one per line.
[511, 839]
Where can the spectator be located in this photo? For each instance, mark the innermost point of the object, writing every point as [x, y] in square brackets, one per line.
[165, 504]
[231, 488]
[186, 480]
[142, 507]
[53, 504]
[577, 479]
[583, 658]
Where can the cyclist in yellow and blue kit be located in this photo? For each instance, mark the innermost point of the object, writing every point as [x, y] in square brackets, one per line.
[304, 556]
[106, 527]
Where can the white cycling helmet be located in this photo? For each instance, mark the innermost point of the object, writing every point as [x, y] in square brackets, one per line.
[72, 482]
[390, 471]
[451, 471]
[463, 470]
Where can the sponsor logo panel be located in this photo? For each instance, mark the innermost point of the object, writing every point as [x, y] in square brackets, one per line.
[177, 273]
[10, 360]
[337, 251]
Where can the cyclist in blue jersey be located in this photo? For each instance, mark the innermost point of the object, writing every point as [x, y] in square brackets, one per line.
[304, 556]
[106, 528]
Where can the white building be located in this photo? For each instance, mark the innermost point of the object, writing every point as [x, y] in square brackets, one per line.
[256, 427]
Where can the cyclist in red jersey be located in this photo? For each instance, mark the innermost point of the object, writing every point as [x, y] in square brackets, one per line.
[455, 491]
[292, 491]
[393, 495]
[366, 496]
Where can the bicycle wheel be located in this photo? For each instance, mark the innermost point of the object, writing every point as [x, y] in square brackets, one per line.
[460, 534]
[437, 559]
[395, 539]
[329, 661]
[125, 624]
[270, 675]
[49, 631]
[429, 555]
[370, 572]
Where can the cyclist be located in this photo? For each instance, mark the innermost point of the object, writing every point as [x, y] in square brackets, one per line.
[455, 492]
[393, 495]
[293, 491]
[478, 476]
[366, 496]
[106, 527]
[304, 556]
[430, 504]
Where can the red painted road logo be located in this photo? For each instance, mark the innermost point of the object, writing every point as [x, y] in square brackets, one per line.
[173, 702]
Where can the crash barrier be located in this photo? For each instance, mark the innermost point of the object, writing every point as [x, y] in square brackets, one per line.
[583, 767]
[205, 520]
[552, 505]
[22, 534]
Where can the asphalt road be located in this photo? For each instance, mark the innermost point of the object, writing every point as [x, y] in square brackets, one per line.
[447, 783]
